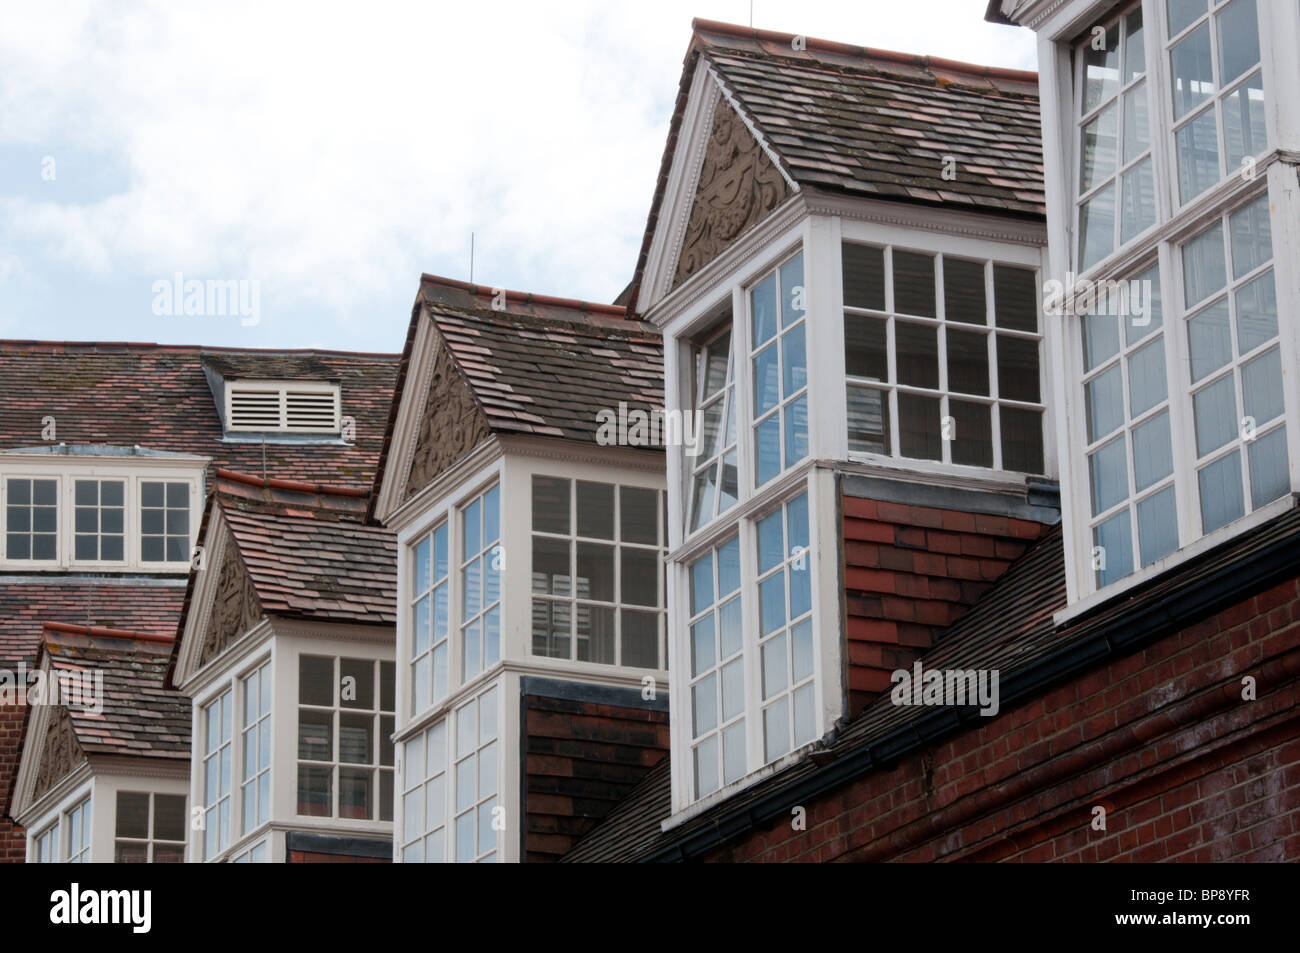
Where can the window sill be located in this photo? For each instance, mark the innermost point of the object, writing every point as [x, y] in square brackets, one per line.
[1145, 575]
[709, 801]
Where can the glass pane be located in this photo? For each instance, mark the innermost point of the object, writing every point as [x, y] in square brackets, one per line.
[491, 516]
[315, 791]
[1097, 227]
[639, 576]
[868, 419]
[864, 276]
[972, 442]
[706, 767]
[1270, 478]
[795, 422]
[551, 505]
[963, 291]
[793, 304]
[1252, 236]
[1153, 455]
[776, 729]
[1146, 377]
[703, 646]
[702, 500]
[1108, 468]
[1215, 410]
[356, 793]
[715, 357]
[1017, 369]
[1191, 71]
[595, 634]
[730, 628]
[1137, 200]
[771, 541]
[917, 354]
[767, 449]
[1182, 13]
[638, 515]
[794, 363]
[639, 637]
[169, 817]
[1104, 400]
[315, 680]
[1197, 146]
[132, 815]
[1209, 339]
[595, 510]
[766, 380]
[1015, 298]
[1022, 439]
[1243, 121]
[914, 284]
[1097, 153]
[701, 583]
[968, 361]
[920, 427]
[1100, 338]
[763, 303]
[775, 675]
[805, 714]
[1261, 387]
[315, 736]
[704, 706]
[1148, 316]
[733, 689]
[1157, 518]
[1135, 57]
[1114, 539]
[729, 567]
[595, 572]
[1222, 500]
[1100, 68]
[471, 530]
[1238, 39]
[420, 579]
[733, 752]
[771, 599]
[865, 348]
[358, 678]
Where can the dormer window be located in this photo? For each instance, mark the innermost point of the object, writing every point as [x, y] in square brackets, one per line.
[304, 407]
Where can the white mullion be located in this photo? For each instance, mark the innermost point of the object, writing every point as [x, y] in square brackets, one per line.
[748, 533]
[742, 396]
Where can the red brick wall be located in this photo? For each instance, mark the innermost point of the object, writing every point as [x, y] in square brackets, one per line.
[1186, 769]
[910, 571]
[582, 757]
[13, 842]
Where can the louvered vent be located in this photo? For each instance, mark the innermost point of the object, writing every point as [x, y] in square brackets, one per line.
[287, 408]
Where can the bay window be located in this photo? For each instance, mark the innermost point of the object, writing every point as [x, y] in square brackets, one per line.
[345, 723]
[480, 575]
[255, 789]
[943, 359]
[1217, 89]
[150, 828]
[597, 583]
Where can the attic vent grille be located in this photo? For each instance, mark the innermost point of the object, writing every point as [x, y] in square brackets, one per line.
[265, 407]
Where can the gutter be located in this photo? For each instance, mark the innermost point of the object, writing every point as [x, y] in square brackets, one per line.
[1116, 639]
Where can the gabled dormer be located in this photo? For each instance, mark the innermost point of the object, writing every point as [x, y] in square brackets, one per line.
[274, 398]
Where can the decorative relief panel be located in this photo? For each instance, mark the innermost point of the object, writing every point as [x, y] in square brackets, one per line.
[235, 607]
[61, 754]
[739, 186]
[452, 424]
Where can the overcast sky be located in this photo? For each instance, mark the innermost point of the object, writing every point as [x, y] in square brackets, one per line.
[331, 153]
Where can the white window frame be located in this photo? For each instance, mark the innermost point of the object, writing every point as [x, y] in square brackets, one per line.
[214, 754]
[489, 557]
[47, 842]
[752, 349]
[66, 477]
[256, 853]
[262, 731]
[151, 840]
[81, 818]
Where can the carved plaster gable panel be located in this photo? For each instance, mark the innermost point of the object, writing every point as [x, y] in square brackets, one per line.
[739, 185]
[61, 753]
[235, 606]
[450, 427]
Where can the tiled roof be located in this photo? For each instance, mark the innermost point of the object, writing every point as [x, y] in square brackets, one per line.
[880, 124]
[872, 123]
[139, 716]
[144, 604]
[1011, 630]
[157, 397]
[310, 552]
[287, 367]
[544, 365]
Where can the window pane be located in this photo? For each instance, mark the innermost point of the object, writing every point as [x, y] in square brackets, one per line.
[1137, 127]
[1015, 298]
[972, 443]
[1153, 455]
[1138, 200]
[315, 680]
[968, 361]
[1146, 377]
[793, 303]
[963, 291]
[595, 572]
[703, 645]
[728, 567]
[766, 380]
[704, 706]
[868, 419]
[1104, 400]
[1114, 538]
[1238, 39]
[1191, 71]
[771, 599]
[795, 420]
[1097, 227]
[771, 541]
[1209, 339]
[917, 349]
[1017, 368]
[1182, 13]
[763, 303]
[1100, 338]
[1108, 468]
[638, 515]
[358, 683]
[1252, 236]
[706, 767]
[775, 675]
[595, 510]
[1222, 500]
[767, 449]
[1243, 121]
[1135, 57]
[776, 729]
[639, 576]
[551, 629]
[794, 363]
[315, 791]
[865, 347]
[1098, 151]
[701, 583]
[1270, 478]
[733, 752]
[132, 815]
[731, 631]
[640, 638]
[1261, 387]
[169, 817]
[595, 634]
[920, 430]
[1197, 146]
[1215, 410]
[1022, 439]
[550, 505]
[315, 736]
[914, 284]
[1157, 518]
[864, 276]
